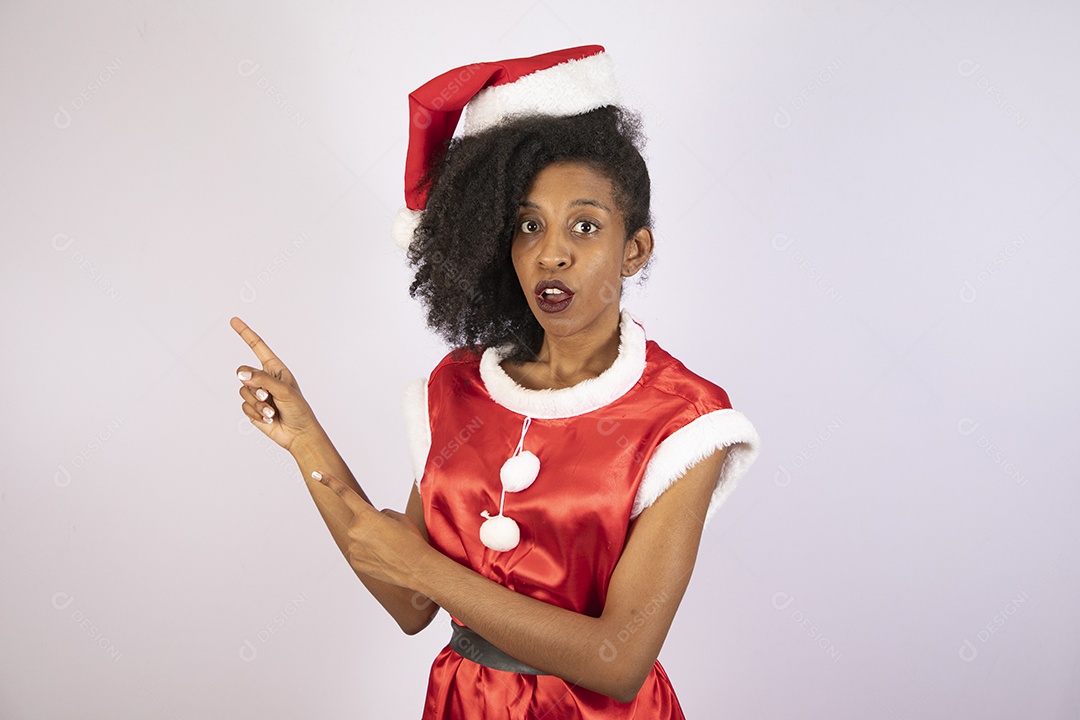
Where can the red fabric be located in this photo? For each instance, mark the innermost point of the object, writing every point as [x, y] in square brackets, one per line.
[435, 107]
[573, 519]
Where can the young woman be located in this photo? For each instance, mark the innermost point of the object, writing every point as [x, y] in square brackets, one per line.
[565, 466]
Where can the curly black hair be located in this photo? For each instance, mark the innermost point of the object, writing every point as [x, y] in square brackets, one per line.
[464, 274]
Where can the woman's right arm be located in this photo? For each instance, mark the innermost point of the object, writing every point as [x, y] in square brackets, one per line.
[274, 391]
[412, 610]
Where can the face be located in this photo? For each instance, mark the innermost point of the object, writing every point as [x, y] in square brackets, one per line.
[571, 252]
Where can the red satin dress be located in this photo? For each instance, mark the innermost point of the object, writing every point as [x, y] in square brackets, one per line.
[608, 447]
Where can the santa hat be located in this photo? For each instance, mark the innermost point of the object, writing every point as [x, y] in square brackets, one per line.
[561, 83]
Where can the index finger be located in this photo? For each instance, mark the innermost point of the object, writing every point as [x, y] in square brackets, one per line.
[355, 503]
[261, 349]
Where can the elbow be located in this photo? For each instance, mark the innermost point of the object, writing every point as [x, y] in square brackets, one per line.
[412, 625]
[626, 691]
[624, 671]
[413, 622]
[624, 686]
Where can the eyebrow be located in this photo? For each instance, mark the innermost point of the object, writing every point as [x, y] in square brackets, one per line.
[576, 203]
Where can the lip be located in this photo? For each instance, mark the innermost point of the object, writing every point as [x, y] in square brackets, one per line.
[548, 306]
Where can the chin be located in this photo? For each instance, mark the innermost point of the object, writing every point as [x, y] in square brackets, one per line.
[567, 322]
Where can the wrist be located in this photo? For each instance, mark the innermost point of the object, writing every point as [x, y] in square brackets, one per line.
[428, 571]
[310, 446]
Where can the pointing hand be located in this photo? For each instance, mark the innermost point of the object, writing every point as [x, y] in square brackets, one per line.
[272, 399]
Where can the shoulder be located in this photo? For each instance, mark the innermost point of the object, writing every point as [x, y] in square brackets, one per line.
[459, 358]
[421, 400]
[700, 422]
[456, 364]
[665, 374]
[459, 364]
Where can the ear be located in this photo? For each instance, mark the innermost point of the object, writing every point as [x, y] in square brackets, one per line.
[637, 251]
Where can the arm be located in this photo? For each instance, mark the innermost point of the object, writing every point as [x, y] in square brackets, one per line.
[412, 610]
[274, 403]
[612, 654]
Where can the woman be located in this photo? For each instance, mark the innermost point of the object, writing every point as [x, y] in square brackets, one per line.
[565, 466]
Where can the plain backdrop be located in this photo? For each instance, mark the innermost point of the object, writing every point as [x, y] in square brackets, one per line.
[866, 220]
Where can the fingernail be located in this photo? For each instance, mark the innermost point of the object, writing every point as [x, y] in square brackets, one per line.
[317, 475]
[268, 420]
[268, 412]
[261, 394]
[244, 375]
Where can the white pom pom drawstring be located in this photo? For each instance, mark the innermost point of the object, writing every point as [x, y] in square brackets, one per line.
[500, 532]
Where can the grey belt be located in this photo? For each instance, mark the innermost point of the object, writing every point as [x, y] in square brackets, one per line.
[471, 646]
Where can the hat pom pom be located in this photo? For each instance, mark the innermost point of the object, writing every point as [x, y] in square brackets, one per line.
[499, 533]
[405, 223]
[518, 472]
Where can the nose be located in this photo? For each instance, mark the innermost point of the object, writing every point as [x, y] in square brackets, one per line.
[553, 251]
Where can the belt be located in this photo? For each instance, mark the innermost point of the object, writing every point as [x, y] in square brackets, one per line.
[469, 645]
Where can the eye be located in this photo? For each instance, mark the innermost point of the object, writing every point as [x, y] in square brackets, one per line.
[585, 226]
[529, 226]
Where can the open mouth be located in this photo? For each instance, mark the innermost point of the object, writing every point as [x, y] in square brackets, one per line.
[553, 296]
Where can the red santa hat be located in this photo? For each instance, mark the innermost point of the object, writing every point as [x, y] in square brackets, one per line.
[561, 83]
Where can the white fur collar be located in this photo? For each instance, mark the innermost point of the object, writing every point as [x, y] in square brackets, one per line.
[586, 396]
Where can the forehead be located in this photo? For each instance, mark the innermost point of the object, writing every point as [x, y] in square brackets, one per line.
[566, 182]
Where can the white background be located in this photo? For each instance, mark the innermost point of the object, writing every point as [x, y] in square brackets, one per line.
[867, 221]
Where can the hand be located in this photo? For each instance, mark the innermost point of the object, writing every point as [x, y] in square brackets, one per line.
[383, 544]
[272, 399]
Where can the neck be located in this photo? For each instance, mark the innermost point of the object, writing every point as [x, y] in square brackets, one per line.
[567, 360]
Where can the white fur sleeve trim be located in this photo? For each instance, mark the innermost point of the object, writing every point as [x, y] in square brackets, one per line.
[417, 426]
[692, 443]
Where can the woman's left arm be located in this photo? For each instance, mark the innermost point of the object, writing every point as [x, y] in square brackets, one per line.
[612, 654]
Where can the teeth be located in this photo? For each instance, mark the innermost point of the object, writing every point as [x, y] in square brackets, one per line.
[554, 291]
